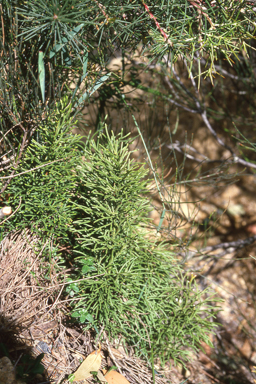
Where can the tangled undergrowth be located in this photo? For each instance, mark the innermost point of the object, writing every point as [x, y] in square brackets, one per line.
[122, 280]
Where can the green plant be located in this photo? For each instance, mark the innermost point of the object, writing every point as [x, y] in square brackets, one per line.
[29, 367]
[67, 29]
[45, 181]
[54, 58]
[131, 285]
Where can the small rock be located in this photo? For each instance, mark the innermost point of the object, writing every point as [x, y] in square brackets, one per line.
[7, 372]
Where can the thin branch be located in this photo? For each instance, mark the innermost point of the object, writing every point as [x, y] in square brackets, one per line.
[227, 247]
[200, 9]
[223, 71]
[211, 129]
[182, 106]
[209, 126]
[177, 96]
[199, 107]
[238, 244]
[2, 21]
[179, 148]
[32, 169]
[111, 353]
[166, 38]
[9, 130]
[201, 111]
[22, 147]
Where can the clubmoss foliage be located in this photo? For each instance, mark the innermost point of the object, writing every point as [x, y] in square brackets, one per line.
[93, 197]
[44, 183]
[130, 285]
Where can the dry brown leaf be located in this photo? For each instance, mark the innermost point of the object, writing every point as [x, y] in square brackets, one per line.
[101, 377]
[91, 363]
[113, 377]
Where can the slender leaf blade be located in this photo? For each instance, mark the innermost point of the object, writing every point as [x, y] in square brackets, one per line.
[96, 86]
[41, 71]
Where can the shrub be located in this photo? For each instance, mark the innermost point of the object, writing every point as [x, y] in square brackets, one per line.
[130, 285]
[45, 181]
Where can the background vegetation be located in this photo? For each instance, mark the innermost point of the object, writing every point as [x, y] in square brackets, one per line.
[88, 196]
